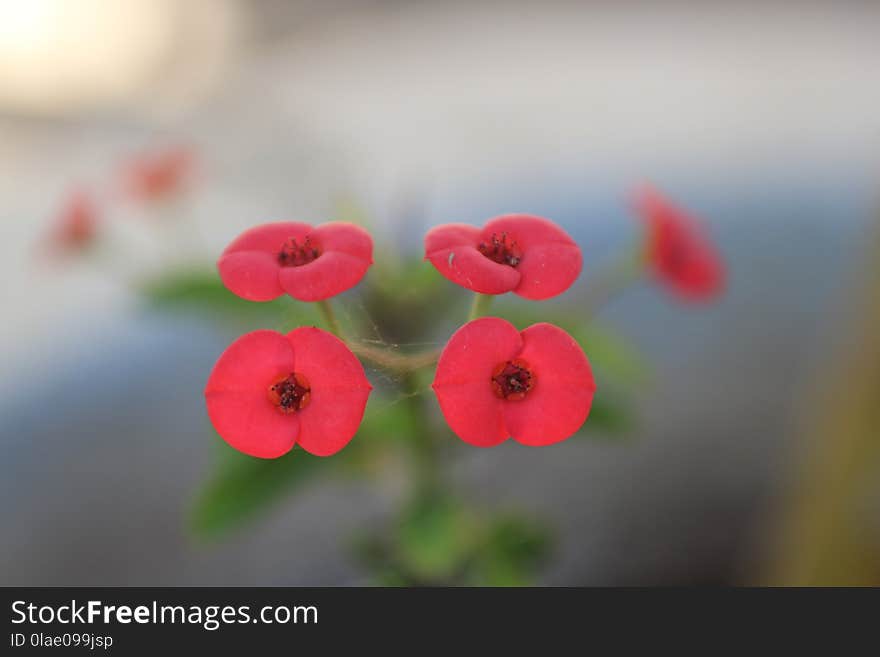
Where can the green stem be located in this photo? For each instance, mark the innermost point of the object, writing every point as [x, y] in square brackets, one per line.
[480, 305]
[329, 316]
[426, 461]
[392, 360]
[385, 358]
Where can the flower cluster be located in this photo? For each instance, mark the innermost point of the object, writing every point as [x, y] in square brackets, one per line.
[150, 178]
[269, 392]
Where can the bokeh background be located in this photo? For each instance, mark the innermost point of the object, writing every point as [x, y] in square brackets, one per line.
[752, 452]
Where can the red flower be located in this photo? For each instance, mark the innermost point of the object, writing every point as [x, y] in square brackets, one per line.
[494, 382]
[678, 252]
[520, 253]
[77, 225]
[269, 391]
[160, 175]
[307, 263]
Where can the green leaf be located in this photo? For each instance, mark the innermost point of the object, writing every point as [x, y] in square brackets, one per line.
[195, 290]
[440, 540]
[243, 487]
[435, 538]
[611, 354]
[513, 551]
[386, 423]
[609, 416]
[202, 291]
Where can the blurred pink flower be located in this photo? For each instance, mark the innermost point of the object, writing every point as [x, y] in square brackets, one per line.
[76, 225]
[159, 175]
[679, 253]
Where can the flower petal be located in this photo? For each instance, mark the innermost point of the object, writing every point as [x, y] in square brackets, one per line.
[469, 268]
[339, 390]
[452, 249]
[251, 424]
[252, 275]
[474, 351]
[345, 237]
[253, 360]
[447, 236]
[462, 382]
[236, 397]
[269, 238]
[326, 361]
[551, 260]
[548, 269]
[707, 278]
[696, 276]
[527, 229]
[560, 401]
[473, 412]
[331, 273]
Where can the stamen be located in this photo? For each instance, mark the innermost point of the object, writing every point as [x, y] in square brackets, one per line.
[293, 254]
[512, 379]
[290, 393]
[503, 250]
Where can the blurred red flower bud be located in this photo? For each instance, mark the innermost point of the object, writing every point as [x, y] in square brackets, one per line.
[76, 225]
[520, 253]
[678, 252]
[159, 175]
[494, 382]
[269, 392]
[308, 263]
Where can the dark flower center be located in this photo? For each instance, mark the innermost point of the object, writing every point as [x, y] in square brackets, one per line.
[512, 379]
[294, 254]
[290, 393]
[504, 250]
